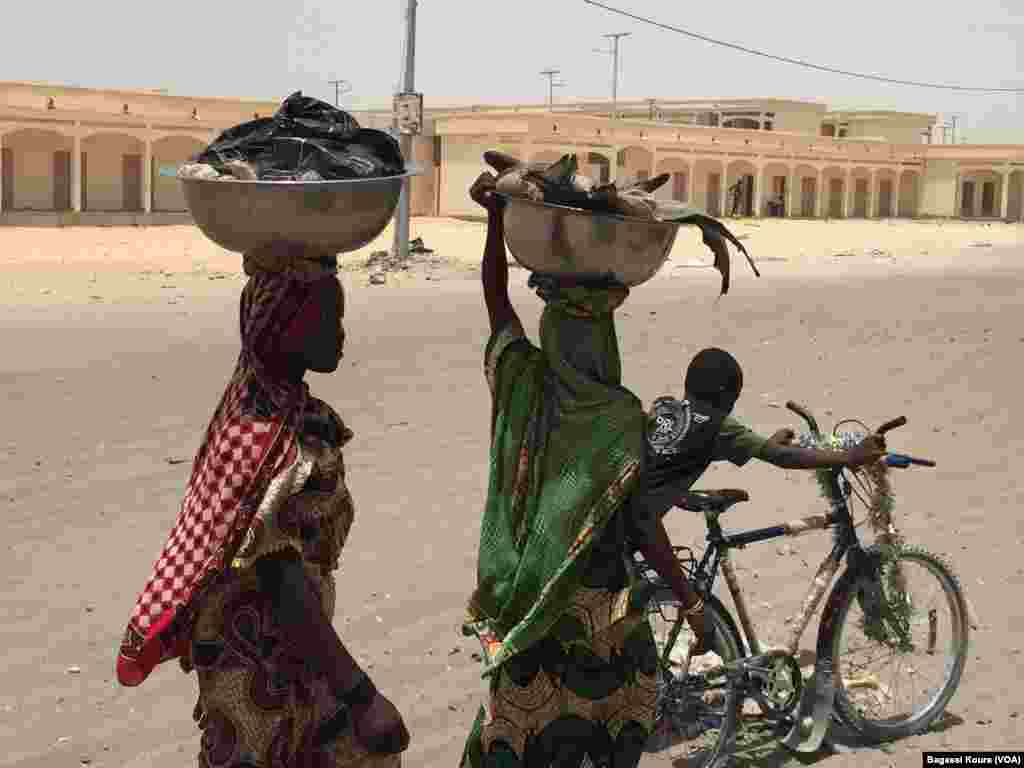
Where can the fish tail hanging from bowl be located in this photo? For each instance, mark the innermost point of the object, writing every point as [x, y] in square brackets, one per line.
[561, 183]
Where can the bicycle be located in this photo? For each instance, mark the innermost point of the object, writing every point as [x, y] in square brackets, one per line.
[703, 708]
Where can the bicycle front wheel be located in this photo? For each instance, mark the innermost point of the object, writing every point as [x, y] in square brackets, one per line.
[697, 708]
[899, 644]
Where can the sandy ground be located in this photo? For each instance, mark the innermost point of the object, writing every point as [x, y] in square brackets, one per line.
[117, 343]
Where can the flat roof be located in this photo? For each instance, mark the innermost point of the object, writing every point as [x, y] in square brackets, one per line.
[163, 92]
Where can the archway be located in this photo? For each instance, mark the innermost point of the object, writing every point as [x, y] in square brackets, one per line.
[112, 172]
[776, 199]
[834, 191]
[806, 181]
[168, 154]
[740, 179]
[36, 170]
[709, 185]
[678, 186]
[888, 184]
[909, 194]
[859, 197]
[980, 193]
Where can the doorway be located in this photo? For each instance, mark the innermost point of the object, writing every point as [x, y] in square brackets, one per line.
[835, 198]
[6, 179]
[988, 198]
[132, 184]
[714, 200]
[679, 186]
[885, 198]
[808, 188]
[860, 198]
[62, 181]
[967, 200]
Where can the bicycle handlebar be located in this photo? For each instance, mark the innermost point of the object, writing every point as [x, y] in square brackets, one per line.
[898, 460]
[805, 414]
[901, 421]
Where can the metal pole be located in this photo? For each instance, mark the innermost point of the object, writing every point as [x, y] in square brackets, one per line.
[337, 90]
[401, 246]
[550, 75]
[615, 37]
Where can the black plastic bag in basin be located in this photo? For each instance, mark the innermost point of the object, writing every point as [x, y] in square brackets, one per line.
[306, 134]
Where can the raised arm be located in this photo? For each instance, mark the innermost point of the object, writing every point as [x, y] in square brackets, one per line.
[494, 267]
[780, 451]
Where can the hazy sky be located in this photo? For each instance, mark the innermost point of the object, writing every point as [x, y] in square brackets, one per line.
[489, 51]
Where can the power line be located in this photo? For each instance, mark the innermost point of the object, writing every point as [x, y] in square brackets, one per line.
[798, 62]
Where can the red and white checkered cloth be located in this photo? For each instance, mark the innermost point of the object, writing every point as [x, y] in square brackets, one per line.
[245, 445]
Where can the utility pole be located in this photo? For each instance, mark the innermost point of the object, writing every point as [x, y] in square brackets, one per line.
[550, 75]
[340, 87]
[401, 246]
[615, 37]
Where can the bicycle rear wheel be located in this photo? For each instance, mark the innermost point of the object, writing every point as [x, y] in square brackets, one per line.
[899, 650]
[697, 707]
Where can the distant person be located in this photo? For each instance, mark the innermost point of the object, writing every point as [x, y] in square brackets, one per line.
[736, 192]
[244, 593]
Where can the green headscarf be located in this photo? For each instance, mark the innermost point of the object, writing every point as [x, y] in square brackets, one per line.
[567, 446]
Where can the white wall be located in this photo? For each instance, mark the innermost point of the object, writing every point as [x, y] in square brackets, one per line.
[799, 121]
[899, 130]
[461, 163]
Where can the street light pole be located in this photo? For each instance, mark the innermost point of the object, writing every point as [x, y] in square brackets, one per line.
[550, 75]
[401, 245]
[615, 37]
[339, 86]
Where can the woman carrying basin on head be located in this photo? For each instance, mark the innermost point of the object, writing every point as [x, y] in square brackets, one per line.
[568, 653]
[243, 592]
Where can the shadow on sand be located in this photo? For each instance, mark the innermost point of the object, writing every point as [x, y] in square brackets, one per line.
[758, 746]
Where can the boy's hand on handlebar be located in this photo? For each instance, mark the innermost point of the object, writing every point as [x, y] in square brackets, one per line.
[868, 451]
[783, 437]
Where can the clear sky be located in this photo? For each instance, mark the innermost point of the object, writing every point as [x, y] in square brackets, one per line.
[490, 51]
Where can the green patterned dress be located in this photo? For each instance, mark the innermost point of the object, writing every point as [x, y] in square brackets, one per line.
[568, 655]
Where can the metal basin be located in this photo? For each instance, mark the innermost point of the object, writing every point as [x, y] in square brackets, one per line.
[336, 216]
[573, 243]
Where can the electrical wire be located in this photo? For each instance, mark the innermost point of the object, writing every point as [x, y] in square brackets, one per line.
[798, 62]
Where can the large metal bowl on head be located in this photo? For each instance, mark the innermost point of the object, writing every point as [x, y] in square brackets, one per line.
[569, 242]
[334, 216]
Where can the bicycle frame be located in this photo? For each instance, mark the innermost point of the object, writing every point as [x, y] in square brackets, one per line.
[718, 555]
[862, 568]
[817, 703]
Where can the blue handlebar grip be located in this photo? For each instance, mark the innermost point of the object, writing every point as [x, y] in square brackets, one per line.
[898, 460]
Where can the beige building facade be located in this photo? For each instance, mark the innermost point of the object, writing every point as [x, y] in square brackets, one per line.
[77, 155]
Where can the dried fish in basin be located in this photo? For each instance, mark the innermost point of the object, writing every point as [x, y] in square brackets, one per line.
[560, 183]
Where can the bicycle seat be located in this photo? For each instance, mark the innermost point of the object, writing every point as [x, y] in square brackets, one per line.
[712, 501]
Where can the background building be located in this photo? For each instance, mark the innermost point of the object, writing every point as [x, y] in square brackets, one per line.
[81, 155]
